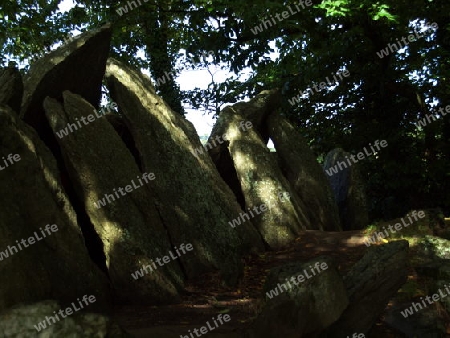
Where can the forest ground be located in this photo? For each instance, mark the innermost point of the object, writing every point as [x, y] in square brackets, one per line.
[207, 297]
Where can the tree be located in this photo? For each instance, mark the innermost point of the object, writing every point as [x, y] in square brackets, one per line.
[310, 41]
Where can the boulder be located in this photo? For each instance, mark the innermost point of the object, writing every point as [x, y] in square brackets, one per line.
[11, 88]
[57, 265]
[348, 188]
[370, 284]
[304, 173]
[426, 323]
[30, 321]
[252, 172]
[438, 269]
[78, 66]
[129, 224]
[301, 299]
[194, 203]
[438, 272]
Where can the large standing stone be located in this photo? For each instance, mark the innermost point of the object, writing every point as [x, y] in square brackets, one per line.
[194, 202]
[57, 266]
[11, 88]
[130, 228]
[78, 66]
[348, 189]
[305, 174]
[253, 172]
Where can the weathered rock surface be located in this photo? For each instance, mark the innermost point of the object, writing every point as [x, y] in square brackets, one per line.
[194, 203]
[307, 308]
[410, 226]
[427, 323]
[370, 284]
[348, 189]
[434, 247]
[57, 266]
[246, 164]
[129, 227]
[256, 114]
[78, 66]
[20, 321]
[300, 167]
[438, 270]
[11, 88]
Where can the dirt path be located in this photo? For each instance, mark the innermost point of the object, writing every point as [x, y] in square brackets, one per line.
[206, 298]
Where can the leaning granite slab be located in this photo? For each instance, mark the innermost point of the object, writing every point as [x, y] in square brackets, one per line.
[247, 165]
[194, 203]
[129, 226]
[300, 166]
[78, 66]
[36, 262]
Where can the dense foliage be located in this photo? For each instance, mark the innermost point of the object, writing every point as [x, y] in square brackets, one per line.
[383, 98]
